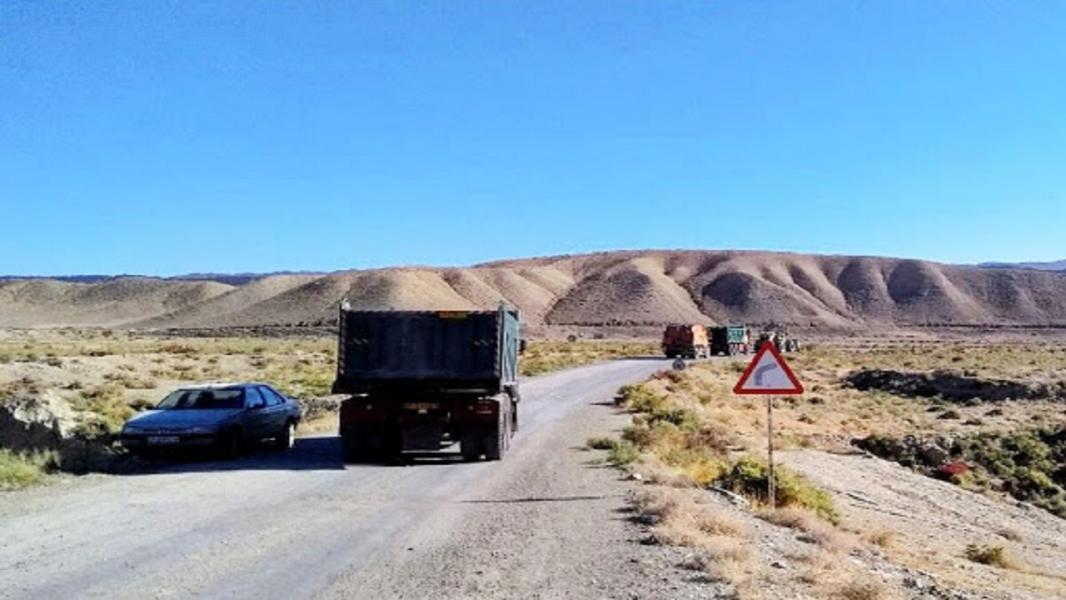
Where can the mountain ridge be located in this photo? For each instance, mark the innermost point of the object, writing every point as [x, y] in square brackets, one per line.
[626, 287]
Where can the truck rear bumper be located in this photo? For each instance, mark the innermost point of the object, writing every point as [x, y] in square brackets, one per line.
[425, 424]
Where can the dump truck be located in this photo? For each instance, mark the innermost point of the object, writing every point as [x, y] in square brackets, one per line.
[421, 381]
[730, 340]
[685, 341]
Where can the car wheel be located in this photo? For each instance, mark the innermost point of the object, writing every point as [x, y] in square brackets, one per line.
[287, 438]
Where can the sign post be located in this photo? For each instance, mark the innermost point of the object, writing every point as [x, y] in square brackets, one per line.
[769, 375]
[772, 482]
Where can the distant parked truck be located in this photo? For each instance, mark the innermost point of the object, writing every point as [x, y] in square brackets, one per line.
[686, 341]
[420, 381]
[781, 340]
[730, 340]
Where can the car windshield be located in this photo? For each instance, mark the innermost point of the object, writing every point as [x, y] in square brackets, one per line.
[203, 399]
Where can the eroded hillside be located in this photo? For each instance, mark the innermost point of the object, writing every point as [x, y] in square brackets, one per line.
[612, 288]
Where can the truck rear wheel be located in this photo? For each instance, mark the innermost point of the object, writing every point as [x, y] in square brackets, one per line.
[499, 440]
[470, 447]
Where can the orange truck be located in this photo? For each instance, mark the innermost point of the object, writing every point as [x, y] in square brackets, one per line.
[686, 341]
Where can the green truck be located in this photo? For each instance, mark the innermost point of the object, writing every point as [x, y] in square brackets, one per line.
[730, 340]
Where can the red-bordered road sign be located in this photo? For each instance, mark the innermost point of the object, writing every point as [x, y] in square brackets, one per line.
[768, 374]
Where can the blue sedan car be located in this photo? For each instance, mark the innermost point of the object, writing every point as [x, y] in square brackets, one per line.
[223, 417]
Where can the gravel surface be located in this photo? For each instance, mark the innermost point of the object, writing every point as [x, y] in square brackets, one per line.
[547, 522]
[934, 521]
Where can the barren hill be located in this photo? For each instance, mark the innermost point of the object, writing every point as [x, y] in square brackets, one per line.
[611, 288]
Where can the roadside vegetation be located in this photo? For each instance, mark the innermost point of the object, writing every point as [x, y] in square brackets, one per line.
[544, 356]
[677, 439]
[1029, 465]
[89, 382]
[989, 418]
[94, 380]
[19, 470]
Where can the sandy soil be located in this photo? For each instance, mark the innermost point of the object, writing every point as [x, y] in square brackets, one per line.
[934, 521]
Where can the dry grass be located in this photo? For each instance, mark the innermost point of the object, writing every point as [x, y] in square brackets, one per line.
[885, 538]
[815, 531]
[546, 356]
[991, 554]
[19, 470]
[107, 376]
[831, 413]
[673, 407]
[862, 590]
[723, 543]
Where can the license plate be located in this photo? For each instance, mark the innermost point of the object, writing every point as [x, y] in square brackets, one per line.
[163, 439]
[421, 406]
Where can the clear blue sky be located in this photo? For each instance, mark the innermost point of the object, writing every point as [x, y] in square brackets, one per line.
[168, 137]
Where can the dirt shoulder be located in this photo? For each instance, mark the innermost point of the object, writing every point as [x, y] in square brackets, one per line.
[934, 521]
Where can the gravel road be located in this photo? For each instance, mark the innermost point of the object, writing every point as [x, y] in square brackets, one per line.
[545, 522]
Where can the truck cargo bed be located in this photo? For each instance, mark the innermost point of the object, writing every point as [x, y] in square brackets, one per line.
[474, 350]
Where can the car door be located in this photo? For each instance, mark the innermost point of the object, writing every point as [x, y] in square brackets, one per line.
[257, 413]
[276, 407]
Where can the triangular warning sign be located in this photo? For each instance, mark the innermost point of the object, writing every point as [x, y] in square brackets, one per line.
[768, 374]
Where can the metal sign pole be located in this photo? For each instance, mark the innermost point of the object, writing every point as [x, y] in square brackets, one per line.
[770, 450]
[768, 374]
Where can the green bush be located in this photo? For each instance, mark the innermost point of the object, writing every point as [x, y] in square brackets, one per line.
[639, 398]
[18, 470]
[601, 443]
[1029, 464]
[749, 476]
[619, 452]
[103, 411]
[623, 453]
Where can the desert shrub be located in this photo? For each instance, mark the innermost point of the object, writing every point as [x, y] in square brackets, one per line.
[179, 349]
[861, 590]
[141, 404]
[619, 452]
[103, 411]
[601, 443]
[1030, 465]
[303, 382]
[641, 398]
[749, 476]
[681, 417]
[993, 555]
[622, 453]
[18, 470]
[129, 382]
